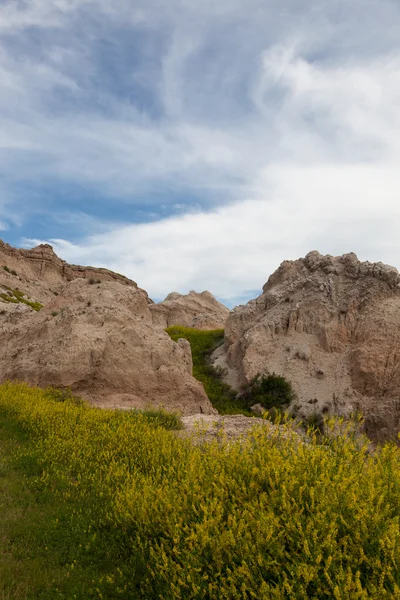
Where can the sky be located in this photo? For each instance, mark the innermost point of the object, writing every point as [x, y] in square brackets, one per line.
[197, 145]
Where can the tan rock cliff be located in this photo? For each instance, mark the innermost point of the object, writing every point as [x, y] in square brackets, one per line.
[331, 325]
[40, 271]
[94, 334]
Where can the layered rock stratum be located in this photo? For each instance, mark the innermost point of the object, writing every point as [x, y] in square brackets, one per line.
[40, 271]
[331, 326]
[94, 334]
[197, 310]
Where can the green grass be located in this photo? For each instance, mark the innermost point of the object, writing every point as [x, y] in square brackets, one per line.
[45, 551]
[203, 343]
[105, 505]
[37, 545]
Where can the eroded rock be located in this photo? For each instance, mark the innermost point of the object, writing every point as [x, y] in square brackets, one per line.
[197, 310]
[331, 326]
[41, 273]
[94, 334]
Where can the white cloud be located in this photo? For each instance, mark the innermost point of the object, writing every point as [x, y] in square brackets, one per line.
[340, 194]
[237, 247]
[287, 119]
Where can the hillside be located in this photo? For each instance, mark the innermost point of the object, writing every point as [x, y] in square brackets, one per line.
[165, 498]
[328, 326]
[104, 504]
[90, 330]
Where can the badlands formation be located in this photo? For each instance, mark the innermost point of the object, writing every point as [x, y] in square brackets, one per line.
[330, 325]
[41, 272]
[94, 334]
[200, 311]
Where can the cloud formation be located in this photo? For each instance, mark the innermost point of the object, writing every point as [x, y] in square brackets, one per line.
[239, 135]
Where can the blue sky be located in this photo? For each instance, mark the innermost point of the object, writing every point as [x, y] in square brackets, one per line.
[196, 145]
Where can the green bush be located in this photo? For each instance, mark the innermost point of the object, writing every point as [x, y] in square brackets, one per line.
[271, 391]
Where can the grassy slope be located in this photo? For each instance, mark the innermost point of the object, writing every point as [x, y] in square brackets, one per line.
[34, 543]
[221, 395]
[42, 554]
[105, 505]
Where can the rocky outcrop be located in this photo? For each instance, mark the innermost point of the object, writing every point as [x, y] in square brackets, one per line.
[200, 311]
[331, 325]
[94, 334]
[40, 271]
[100, 341]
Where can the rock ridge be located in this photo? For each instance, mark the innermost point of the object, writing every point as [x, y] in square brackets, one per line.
[42, 262]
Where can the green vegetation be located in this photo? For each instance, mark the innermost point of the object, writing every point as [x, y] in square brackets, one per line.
[18, 297]
[161, 418]
[11, 271]
[38, 540]
[269, 390]
[316, 422]
[203, 343]
[62, 395]
[103, 504]
[158, 417]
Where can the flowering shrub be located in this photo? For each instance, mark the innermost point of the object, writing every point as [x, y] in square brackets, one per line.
[270, 517]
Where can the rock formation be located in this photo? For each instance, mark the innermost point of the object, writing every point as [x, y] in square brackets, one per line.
[201, 311]
[94, 335]
[331, 326]
[39, 271]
